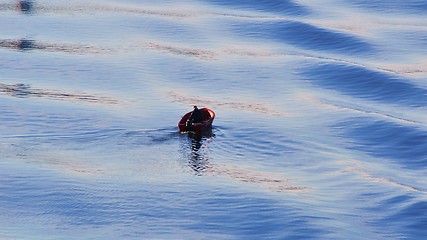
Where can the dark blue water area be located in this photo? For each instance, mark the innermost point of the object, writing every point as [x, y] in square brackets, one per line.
[392, 6]
[361, 82]
[286, 7]
[410, 221]
[402, 144]
[137, 210]
[306, 36]
[402, 214]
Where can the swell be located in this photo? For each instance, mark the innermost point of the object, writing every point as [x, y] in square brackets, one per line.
[205, 54]
[223, 53]
[360, 82]
[287, 7]
[305, 36]
[409, 220]
[405, 145]
[404, 213]
[363, 174]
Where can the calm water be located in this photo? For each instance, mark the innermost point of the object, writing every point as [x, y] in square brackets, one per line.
[321, 128]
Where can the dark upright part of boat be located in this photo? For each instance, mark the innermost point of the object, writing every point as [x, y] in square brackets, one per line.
[207, 118]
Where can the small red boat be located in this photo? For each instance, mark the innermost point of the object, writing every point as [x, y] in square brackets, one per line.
[207, 119]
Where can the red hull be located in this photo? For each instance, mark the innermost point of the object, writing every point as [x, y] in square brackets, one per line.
[207, 119]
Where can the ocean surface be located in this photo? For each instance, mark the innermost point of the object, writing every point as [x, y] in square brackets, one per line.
[320, 128]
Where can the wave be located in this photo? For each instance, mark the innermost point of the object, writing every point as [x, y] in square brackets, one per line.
[205, 54]
[327, 103]
[408, 218]
[361, 82]
[282, 7]
[306, 36]
[371, 177]
[405, 145]
[218, 54]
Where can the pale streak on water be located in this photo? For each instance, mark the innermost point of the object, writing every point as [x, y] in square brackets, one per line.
[320, 130]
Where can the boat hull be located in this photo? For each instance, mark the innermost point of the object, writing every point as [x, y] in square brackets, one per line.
[207, 118]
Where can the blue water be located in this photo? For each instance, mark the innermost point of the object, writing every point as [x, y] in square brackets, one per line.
[320, 130]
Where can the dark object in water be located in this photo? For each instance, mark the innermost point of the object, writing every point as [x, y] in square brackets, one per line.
[207, 118]
[25, 6]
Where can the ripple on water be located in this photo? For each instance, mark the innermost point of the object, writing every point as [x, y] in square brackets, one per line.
[140, 210]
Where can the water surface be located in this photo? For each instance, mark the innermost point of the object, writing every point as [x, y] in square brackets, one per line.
[320, 130]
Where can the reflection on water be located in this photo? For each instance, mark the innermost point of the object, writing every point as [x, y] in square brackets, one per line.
[196, 151]
[198, 161]
[198, 157]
